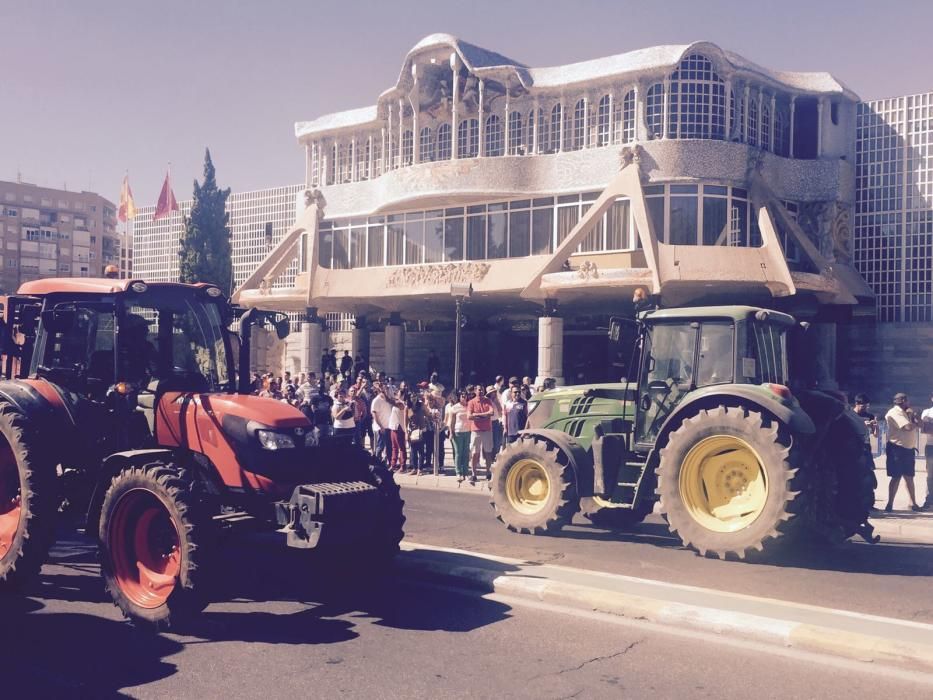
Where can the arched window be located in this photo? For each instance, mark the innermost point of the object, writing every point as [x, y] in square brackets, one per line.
[602, 121]
[752, 120]
[332, 166]
[468, 138]
[443, 142]
[517, 145]
[654, 110]
[407, 146]
[555, 128]
[781, 131]
[578, 135]
[494, 139]
[377, 157]
[543, 145]
[393, 151]
[765, 125]
[426, 145]
[697, 101]
[628, 117]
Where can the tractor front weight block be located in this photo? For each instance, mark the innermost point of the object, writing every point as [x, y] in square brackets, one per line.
[342, 506]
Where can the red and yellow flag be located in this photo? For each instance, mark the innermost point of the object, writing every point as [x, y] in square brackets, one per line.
[127, 208]
[167, 203]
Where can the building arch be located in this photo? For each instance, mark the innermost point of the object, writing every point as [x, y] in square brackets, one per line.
[697, 100]
[494, 145]
[426, 145]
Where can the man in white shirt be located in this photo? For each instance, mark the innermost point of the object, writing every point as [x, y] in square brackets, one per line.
[381, 410]
[926, 420]
[902, 425]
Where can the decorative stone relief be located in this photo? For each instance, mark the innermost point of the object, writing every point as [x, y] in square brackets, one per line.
[433, 275]
[815, 219]
[842, 235]
[588, 271]
[314, 196]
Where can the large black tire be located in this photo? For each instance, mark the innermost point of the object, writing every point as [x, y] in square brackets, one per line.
[153, 540]
[28, 499]
[614, 517]
[844, 473]
[385, 545]
[727, 482]
[533, 487]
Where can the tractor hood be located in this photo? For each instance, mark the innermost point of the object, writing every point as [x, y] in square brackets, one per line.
[268, 412]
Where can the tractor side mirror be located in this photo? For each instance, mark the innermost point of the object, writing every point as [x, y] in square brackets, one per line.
[282, 326]
[59, 320]
[615, 330]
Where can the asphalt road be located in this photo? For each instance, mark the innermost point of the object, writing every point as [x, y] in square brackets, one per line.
[281, 632]
[887, 579]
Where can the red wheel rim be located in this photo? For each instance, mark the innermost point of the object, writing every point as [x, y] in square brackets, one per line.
[11, 506]
[144, 548]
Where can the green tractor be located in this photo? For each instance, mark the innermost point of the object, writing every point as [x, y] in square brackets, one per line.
[711, 429]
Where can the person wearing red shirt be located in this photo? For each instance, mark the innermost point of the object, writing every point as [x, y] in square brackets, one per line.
[480, 412]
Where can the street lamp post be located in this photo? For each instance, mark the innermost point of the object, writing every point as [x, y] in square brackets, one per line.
[460, 291]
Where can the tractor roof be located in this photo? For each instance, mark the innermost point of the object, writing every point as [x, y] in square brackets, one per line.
[736, 313]
[87, 285]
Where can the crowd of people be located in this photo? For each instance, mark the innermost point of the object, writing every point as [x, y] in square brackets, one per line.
[407, 425]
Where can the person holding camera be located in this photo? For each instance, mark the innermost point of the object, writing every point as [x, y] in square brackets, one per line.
[902, 425]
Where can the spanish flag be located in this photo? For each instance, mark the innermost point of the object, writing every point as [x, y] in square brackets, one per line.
[127, 209]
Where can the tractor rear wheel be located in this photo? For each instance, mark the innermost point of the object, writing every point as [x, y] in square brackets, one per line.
[610, 515]
[727, 482]
[28, 504]
[533, 489]
[152, 552]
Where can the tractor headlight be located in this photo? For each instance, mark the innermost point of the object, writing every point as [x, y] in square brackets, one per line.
[271, 440]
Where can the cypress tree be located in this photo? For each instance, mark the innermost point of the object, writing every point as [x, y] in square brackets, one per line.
[205, 254]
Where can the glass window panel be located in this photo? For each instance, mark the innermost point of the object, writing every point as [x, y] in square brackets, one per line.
[683, 189]
[325, 248]
[739, 192]
[376, 246]
[683, 221]
[567, 218]
[738, 223]
[454, 211]
[542, 231]
[715, 221]
[543, 202]
[453, 238]
[655, 207]
[476, 209]
[593, 241]
[496, 231]
[341, 260]
[715, 364]
[395, 242]
[520, 204]
[617, 235]
[358, 247]
[653, 189]
[476, 237]
[568, 199]
[715, 189]
[443, 142]
[434, 241]
[519, 234]
[414, 242]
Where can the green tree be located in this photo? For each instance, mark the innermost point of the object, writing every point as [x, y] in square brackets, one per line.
[205, 245]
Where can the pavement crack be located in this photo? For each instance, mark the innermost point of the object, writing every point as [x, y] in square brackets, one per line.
[596, 659]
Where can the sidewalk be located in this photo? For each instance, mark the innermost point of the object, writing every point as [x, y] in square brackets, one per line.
[902, 525]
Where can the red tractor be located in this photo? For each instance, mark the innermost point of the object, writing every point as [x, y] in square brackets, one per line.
[122, 404]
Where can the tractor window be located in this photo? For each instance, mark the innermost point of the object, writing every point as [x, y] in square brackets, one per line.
[716, 354]
[183, 340]
[86, 348]
[769, 347]
[673, 351]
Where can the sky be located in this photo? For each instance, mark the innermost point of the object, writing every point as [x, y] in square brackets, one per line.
[91, 90]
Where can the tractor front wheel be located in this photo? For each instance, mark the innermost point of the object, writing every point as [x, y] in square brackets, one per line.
[151, 549]
[727, 482]
[533, 489]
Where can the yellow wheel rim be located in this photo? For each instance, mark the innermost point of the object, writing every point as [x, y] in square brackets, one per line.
[527, 486]
[723, 484]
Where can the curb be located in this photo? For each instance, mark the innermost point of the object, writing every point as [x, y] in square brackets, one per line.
[426, 562]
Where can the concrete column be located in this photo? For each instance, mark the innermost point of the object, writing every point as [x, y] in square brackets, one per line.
[550, 349]
[728, 117]
[793, 104]
[819, 127]
[415, 136]
[388, 150]
[535, 146]
[563, 120]
[401, 133]
[745, 115]
[482, 118]
[773, 121]
[395, 346]
[312, 342]
[455, 68]
[359, 342]
[354, 157]
[665, 119]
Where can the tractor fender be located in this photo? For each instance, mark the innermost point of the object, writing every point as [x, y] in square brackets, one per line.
[44, 404]
[790, 413]
[110, 467]
[579, 458]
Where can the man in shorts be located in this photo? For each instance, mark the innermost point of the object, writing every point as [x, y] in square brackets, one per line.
[902, 425]
[480, 412]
